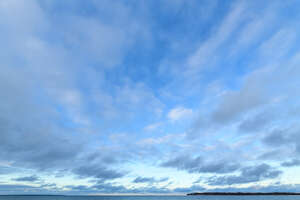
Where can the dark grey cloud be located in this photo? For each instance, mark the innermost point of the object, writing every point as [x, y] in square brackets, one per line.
[149, 180]
[39, 149]
[143, 180]
[97, 171]
[28, 137]
[163, 179]
[32, 178]
[292, 163]
[248, 175]
[255, 123]
[277, 138]
[108, 188]
[98, 188]
[287, 139]
[197, 165]
[183, 162]
[104, 157]
[253, 94]
[51, 185]
[274, 154]
[219, 167]
[236, 103]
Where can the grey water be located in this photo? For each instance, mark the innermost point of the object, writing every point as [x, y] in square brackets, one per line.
[277, 197]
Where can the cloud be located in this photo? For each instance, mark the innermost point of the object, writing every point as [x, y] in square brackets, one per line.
[292, 163]
[179, 113]
[205, 55]
[255, 95]
[255, 123]
[143, 180]
[285, 139]
[248, 175]
[277, 138]
[149, 180]
[97, 171]
[32, 178]
[152, 127]
[239, 102]
[28, 138]
[107, 188]
[197, 165]
[274, 154]
[87, 35]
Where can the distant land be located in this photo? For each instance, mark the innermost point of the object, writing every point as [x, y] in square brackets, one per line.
[244, 193]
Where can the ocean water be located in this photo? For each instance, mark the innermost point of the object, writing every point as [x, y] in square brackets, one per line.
[150, 197]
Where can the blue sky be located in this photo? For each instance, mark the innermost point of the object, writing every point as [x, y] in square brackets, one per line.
[166, 96]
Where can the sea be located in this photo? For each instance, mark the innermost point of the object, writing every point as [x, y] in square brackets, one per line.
[275, 197]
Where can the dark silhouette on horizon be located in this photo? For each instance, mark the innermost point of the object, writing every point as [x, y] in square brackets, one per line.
[244, 193]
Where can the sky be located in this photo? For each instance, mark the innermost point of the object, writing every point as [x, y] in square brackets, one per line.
[160, 97]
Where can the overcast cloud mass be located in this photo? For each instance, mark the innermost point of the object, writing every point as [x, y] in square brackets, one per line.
[164, 96]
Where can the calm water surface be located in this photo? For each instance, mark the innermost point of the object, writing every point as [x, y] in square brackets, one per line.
[149, 197]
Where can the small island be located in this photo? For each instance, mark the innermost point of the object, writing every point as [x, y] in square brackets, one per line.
[243, 193]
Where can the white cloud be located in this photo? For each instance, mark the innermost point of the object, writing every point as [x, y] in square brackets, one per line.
[178, 113]
[152, 127]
